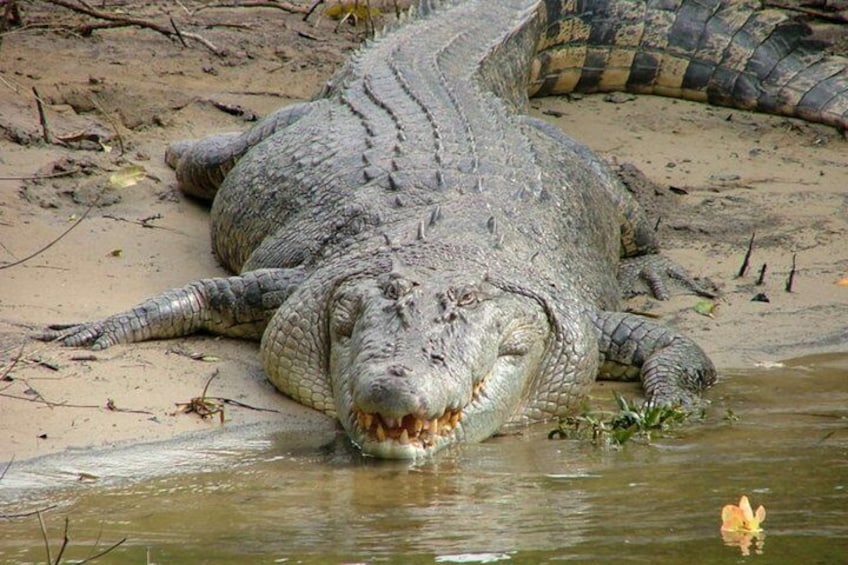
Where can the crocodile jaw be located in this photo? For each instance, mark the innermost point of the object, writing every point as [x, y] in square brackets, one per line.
[411, 436]
[414, 374]
[408, 438]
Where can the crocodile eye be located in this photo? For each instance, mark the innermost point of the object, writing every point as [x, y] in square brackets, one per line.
[466, 296]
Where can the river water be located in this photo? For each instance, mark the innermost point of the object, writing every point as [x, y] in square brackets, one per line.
[778, 435]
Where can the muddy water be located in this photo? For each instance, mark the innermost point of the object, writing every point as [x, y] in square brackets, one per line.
[265, 497]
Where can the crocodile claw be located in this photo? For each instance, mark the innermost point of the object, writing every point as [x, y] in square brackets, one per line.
[94, 334]
[655, 274]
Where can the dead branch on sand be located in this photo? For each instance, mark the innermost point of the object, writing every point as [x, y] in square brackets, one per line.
[120, 20]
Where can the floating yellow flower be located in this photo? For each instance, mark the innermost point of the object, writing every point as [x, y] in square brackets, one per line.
[740, 526]
[741, 518]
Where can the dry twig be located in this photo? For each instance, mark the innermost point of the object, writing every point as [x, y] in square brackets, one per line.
[205, 406]
[110, 119]
[746, 261]
[790, 280]
[42, 117]
[312, 6]
[49, 245]
[27, 513]
[6, 468]
[284, 6]
[66, 540]
[110, 404]
[50, 176]
[119, 20]
[61, 235]
[9, 367]
[144, 222]
[44, 536]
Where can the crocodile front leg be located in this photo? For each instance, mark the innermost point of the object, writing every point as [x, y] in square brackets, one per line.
[673, 368]
[238, 306]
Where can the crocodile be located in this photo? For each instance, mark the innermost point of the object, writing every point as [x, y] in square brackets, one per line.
[427, 263]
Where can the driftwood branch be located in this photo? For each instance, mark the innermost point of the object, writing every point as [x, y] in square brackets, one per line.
[314, 4]
[284, 6]
[118, 20]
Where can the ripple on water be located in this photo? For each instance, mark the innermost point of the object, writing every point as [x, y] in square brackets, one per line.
[265, 496]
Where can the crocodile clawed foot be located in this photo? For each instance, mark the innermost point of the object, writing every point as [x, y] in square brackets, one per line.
[92, 334]
[655, 274]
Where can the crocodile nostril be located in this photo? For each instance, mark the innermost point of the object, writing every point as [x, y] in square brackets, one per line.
[398, 370]
[437, 359]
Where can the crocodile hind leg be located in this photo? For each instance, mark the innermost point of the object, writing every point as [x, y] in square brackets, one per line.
[641, 266]
[238, 306]
[673, 368]
[201, 165]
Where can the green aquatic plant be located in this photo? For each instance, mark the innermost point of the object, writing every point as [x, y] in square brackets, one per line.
[615, 428]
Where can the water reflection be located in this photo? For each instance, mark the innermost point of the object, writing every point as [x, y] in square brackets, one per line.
[269, 497]
[745, 541]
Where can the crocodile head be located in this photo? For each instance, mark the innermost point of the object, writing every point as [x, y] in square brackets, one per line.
[410, 360]
[419, 360]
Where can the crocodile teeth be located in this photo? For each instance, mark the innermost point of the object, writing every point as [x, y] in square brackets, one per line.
[478, 388]
[409, 429]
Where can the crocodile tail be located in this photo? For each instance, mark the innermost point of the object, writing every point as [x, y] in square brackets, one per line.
[725, 53]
